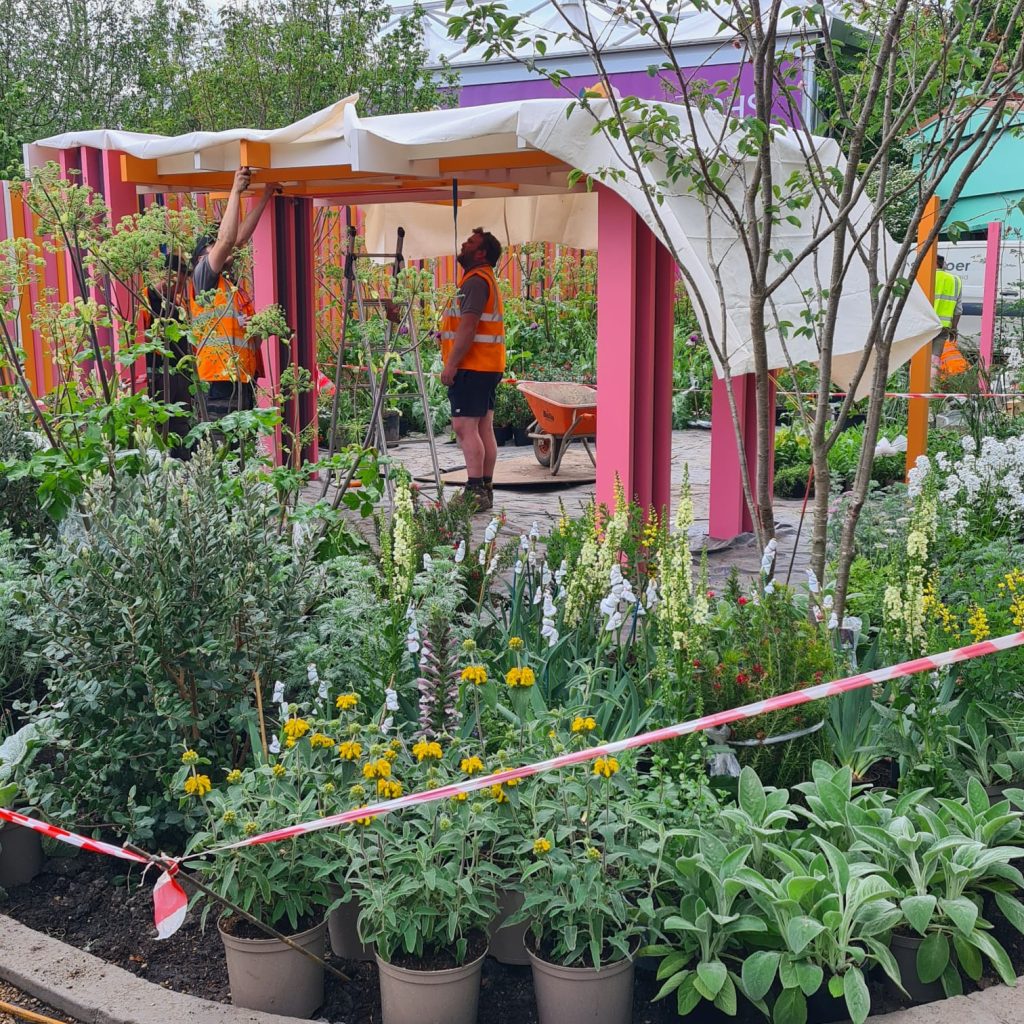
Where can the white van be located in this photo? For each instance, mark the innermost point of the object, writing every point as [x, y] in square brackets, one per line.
[967, 261]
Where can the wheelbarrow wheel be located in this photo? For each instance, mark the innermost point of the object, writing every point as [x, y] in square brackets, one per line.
[542, 447]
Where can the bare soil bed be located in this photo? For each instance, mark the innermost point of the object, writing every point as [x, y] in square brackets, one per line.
[89, 902]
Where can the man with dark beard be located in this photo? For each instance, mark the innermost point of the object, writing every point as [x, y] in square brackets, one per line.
[473, 350]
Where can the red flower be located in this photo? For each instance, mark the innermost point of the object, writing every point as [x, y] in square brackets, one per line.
[741, 601]
[696, 663]
[711, 594]
[757, 669]
[818, 676]
[716, 686]
[742, 679]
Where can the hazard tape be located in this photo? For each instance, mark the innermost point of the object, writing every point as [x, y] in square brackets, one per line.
[170, 901]
[930, 395]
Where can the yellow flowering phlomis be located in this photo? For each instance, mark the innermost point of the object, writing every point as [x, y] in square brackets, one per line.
[520, 676]
[229, 817]
[498, 793]
[593, 853]
[459, 797]
[515, 643]
[471, 765]
[198, 785]
[251, 828]
[427, 749]
[977, 622]
[606, 767]
[318, 739]
[364, 821]
[541, 846]
[190, 757]
[580, 724]
[295, 729]
[349, 750]
[278, 771]
[346, 701]
[391, 755]
[379, 769]
[234, 776]
[475, 674]
[389, 789]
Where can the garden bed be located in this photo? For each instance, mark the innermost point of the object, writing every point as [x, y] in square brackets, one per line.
[85, 902]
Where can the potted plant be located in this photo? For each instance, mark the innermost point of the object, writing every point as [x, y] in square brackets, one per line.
[586, 871]
[304, 775]
[504, 412]
[21, 851]
[427, 892]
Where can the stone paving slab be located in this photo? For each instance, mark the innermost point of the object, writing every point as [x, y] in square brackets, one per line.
[691, 449]
[95, 992]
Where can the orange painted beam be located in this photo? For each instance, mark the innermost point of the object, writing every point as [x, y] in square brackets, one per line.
[921, 361]
[141, 172]
[498, 161]
[254, 154]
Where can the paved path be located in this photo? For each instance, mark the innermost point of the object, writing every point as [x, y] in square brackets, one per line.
[542, 504]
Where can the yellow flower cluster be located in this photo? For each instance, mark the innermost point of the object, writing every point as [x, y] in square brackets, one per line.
[278, 771]
[318, 739]
[523, 677]
[234, 776]
[1013, 584]
[379, 769]
[541, 846]
[498, 793]
[475, 674]
[389, 789]
[606, 766]
[977, 621]
[427, 748]
[515, 643]
[580, 724]
[349, 750]
[198, 785]
[346, 701]
[190, 757]
[364, 821]
[294, 730]
[471, 765]
[940, 611]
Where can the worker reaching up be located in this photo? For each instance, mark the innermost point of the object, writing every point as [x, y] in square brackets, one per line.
[948, 305]
[473, 350]
[226, 360]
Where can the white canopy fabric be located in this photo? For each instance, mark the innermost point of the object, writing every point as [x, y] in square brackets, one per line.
[700, 241]
[411, 145]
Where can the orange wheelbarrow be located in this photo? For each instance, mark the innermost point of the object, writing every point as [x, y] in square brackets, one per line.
[564, 413]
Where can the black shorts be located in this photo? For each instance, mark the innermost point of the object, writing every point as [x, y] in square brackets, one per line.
[472, 393]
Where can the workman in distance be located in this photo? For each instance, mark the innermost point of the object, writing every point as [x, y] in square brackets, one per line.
[947, 359]
[473, 350]
[226, 361]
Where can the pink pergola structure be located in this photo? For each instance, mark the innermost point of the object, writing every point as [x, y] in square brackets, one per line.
[636, 283]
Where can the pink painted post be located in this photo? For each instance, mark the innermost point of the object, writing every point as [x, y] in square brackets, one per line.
[665, 274]
[728, 514]
[265, 293]
[616, 337]
[70, 165]
[643, 366]
[122, 201]
[990, 294]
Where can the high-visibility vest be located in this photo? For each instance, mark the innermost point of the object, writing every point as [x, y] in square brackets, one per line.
[218, 333]
[487, 353]
[948, 288]
[952, 362]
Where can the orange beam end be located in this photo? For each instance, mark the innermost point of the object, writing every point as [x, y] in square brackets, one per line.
[921, 361]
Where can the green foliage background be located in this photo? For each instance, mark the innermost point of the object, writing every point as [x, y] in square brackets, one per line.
[172, 66]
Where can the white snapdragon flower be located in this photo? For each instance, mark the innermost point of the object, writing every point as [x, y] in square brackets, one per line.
[321, 693]
[386, 725]
[412, 638]
[518, 567]
[482, 556]
[312, 675]
[535, 531]
[391, 699]
[275, 745]
[428, 562]
[561, 571]
[547, 628]
[460, 552]
[492, 530]
[768, 558]
[524, 542]
[614, 621]
[545, 575]
[651, 597]
[278, 697]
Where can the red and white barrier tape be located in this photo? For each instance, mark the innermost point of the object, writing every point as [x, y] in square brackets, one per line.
[170, 901]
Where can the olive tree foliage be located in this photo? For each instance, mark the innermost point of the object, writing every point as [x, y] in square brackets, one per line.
[913, 62]
[171, 66]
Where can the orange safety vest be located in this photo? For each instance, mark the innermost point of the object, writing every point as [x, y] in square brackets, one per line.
[952, 362]
[218, 333]
[487, 353]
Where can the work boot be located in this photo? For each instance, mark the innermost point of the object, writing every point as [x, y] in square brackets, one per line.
[478, 498]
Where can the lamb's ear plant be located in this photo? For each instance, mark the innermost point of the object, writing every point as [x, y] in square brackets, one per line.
[834, 915]
[704, 933]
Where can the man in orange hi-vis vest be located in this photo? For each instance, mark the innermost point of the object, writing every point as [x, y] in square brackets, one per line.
[226, 361]
[473, 350]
